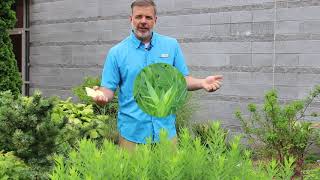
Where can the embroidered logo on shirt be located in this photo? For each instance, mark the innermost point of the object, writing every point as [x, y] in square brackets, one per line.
[164, 55]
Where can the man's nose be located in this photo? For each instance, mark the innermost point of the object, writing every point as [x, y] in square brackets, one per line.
[143, 20]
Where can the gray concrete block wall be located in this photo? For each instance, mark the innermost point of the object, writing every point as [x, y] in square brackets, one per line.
[70, 39]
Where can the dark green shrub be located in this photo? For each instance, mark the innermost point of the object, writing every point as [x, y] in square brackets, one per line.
[10, 78]
[26, 129]
[282, 130]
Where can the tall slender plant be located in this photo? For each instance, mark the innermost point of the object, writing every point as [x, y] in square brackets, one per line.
[9, 75]
[283, 130]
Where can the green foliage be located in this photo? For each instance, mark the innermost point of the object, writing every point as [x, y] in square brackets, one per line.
[12, 167]
[81, 122]
[160, 89]
[204, 132]
[26, 129]
[281, 130]
[312, 174]
[110, 109]
[9, 75]
[184, 113]
[190, 160]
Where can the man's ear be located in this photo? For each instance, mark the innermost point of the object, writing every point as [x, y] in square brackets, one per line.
[155, 20]
[130, 18]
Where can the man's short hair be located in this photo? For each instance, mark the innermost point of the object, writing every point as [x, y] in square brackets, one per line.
[144, 3]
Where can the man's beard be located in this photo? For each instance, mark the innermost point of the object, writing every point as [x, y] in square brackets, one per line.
[141, 36]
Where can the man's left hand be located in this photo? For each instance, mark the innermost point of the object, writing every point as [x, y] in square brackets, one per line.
[212, 83]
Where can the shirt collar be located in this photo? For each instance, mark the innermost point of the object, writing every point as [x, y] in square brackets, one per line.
[137, 43]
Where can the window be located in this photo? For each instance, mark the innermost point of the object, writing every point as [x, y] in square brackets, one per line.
[20, 40]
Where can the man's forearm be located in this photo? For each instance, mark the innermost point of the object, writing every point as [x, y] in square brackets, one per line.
[194, 83]
[107, 93]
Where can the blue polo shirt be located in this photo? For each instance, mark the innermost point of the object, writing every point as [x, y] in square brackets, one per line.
[122, 65]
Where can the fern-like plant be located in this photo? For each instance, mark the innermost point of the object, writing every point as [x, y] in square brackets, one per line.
[190, 160]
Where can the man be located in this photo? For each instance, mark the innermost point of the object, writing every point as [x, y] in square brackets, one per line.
[125, 60]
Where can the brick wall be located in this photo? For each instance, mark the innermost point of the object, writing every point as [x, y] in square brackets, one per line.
[70, 38]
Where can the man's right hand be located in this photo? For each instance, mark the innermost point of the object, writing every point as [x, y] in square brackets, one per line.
[100, 100]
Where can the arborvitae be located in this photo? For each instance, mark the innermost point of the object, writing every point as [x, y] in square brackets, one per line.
[10, 78]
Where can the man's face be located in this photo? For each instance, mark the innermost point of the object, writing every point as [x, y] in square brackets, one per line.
[143, 20]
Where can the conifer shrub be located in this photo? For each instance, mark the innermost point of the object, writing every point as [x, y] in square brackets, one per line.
[26, 129]
[10, 78]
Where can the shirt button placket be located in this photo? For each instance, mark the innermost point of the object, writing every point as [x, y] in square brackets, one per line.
[147, 63]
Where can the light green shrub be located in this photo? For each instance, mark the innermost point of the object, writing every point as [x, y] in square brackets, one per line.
[190, 160]
[12, 167]
[283, 130]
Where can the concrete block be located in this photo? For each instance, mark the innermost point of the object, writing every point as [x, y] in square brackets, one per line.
[103, 25]
[114, 8]
[311, 60]
[262, 47]
[87, 55]
[241, 17]
[237, 77]
[288, 27]
[299, 46]
[296, 79]
[241, 29]
[300, 13]
[206, 59]
[201, 3]
[221, 18]
[240, 60]
[293, 92]
[310, 26]
[184, 20]
[262, 60]
[44, 71]
[182, 4]
[163, 6]
[263, 15]
[51, 55]
[260, 78]
[222, 111]
[220, 47]
[219, 3]
[221, 30]
[249, 90]
[260, 28]
[287, 59]
[185, 31]
[75, 76]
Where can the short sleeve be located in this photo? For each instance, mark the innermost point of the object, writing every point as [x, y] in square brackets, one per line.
[110, 75]
[179, 61]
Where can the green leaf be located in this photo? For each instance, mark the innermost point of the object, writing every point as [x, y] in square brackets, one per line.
[156, 89]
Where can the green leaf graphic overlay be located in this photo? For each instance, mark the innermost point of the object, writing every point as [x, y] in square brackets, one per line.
[160, 89]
